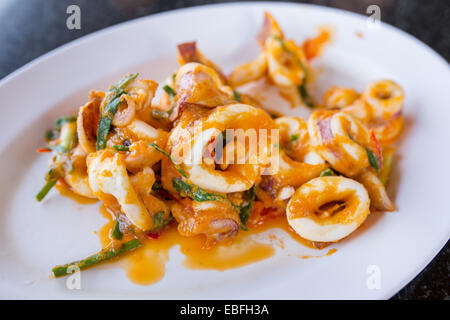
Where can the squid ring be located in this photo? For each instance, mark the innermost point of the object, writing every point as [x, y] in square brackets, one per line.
[197, 83]
[237, 177]
[328, 209]
[108, 179]
[338, 97]
[340, 139]
[295, 138]
[388, 131]
[385, 98]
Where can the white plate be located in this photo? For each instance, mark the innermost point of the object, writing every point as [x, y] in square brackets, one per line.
[34, 237]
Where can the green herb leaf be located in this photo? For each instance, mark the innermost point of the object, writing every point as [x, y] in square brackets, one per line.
[63, 120]
[97, 258]
[299, 62]
[51, 135]
[294, 137]
[160, 115]
[236, 96]
[68, 138]
[51, 178]
[105, 121]
[305, 96]
[177, 166]
[116, 233]
[158, 221]
[198, 194]
[45, 189]
[121, 148]
[388, 159]
[373, 160]
[246, 209]
[327, 172]
[112, 100]
[168, 89]
[301, 88]
[157, 186]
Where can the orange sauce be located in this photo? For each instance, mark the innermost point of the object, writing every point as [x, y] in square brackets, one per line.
[65, 191]
[329, 253]
[147, 264]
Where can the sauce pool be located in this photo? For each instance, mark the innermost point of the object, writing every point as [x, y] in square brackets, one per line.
[146, 265]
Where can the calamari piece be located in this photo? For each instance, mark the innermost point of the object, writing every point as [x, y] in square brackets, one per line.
[140, 156]
[142, 91]
[294, 138]
[87, 122]
[248, 72]
[269, 28]
[376, 189]
[328, 209]
[339, 97]
[197, 83]
[126, 111]
[108, 178]
[212, 218]
[138, 134]
[188, 52]
[143, 131]
[290, 173]
[79, 183]
[142, 183]
[136, 103]
[77, 178]
[360, 110]
[282, 61]
[251, 129]
[347, 100]
[388, 131]
[379, 107]
[340, 139]
[385, 98]
[287, 64]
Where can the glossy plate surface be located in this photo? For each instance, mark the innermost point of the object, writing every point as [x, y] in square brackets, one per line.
[34, 237]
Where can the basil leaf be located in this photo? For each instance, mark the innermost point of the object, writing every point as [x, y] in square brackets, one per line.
[305, 96]
[168, 89]
[293, 137]
[301, 88]
[158, 221]
[236, 96]
[177, 166]
[112, 99]
[121, 148]
[51, 135]
[373, 160]
[116, 233]
[246, 209]
[105, 121]
[198, 194]
[160, 115]
[327, 172]
[63, 120]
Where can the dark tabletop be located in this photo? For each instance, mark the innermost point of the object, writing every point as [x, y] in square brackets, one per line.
[30, 28]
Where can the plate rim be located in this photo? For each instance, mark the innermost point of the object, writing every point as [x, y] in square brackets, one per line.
[73, 43]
